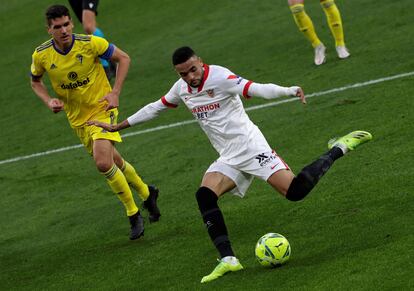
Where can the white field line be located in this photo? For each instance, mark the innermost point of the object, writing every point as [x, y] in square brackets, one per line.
[270, 104]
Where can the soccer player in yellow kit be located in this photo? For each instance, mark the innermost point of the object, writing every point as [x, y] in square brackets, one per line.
[305, 25]
[84, 93]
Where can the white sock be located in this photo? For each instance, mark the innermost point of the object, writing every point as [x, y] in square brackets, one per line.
[230, 260]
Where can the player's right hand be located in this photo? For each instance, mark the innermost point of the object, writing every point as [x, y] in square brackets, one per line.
[55, 105]
[106, 126]
[112, 100]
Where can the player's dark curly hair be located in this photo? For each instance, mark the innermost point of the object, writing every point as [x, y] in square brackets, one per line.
[56, 11]
[182, 54]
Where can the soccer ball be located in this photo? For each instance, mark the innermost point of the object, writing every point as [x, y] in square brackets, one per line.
[272, 250]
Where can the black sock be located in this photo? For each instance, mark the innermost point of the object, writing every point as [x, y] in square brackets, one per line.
[214, 220]
[335, 153]
[304, 182]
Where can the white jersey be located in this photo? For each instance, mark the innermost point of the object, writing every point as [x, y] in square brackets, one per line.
[218, 109]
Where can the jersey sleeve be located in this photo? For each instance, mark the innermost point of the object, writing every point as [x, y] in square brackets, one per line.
[172, 98]
[102, 47]
[235, 84]
[146, 113]
[36, 69]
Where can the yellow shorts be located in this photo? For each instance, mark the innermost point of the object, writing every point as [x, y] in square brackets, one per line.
[88, 133]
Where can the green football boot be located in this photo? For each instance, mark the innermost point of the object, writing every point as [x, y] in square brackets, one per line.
[350, 141]
[221, 269]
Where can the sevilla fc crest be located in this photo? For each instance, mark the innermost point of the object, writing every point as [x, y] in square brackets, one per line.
[210, 93]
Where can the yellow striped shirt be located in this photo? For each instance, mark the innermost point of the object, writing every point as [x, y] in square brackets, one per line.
[76, 75]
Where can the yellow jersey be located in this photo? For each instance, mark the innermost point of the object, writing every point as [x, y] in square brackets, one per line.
[77, 76]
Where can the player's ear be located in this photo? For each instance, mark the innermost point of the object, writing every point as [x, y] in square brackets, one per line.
[201, 61]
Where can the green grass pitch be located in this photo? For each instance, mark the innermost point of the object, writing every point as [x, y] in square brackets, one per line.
[61, 228]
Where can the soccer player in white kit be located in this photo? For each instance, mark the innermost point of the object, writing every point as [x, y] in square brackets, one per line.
[212, 93]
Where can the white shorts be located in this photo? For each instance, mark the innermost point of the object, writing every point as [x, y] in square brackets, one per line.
[261, 166]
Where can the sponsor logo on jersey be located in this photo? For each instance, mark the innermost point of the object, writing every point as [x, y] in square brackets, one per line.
[264, 159]
[206, 108]
[202, 112]
[74, 85]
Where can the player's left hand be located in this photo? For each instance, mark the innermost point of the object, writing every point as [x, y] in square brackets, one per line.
[298, 92]
[112, 99]
[301, 95]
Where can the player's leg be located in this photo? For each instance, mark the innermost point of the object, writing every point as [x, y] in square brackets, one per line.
[333, 17]
[147, 193]
[213, 185]
[296, 188]
[132, 176]
[305, 25]
[103, 155]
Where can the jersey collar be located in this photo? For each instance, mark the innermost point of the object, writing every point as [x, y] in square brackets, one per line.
[64, 52]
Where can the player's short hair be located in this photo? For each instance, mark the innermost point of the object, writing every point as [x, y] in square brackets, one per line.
[182, 54]
[56, 11]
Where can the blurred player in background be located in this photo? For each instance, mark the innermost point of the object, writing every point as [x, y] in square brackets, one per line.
[84, 93]
[212, 94]
[86, 11]
[305, 25]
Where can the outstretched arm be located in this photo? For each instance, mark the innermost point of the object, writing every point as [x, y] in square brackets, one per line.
[271, 91]
[238, 85]
[146, 113]
[110, 127]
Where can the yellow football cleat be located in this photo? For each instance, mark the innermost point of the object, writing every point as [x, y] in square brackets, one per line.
[222, 268]
[350, 141]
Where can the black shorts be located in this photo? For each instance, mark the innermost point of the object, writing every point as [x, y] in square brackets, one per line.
[79, 5]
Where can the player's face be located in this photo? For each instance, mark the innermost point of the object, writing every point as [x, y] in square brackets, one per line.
[191, 71]
[61, 30]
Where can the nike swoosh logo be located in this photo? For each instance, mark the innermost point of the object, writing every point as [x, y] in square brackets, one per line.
[273, 167]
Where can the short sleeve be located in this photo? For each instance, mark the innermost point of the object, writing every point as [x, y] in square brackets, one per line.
[102, 47]
[235, 84]
[36, 69]
[172, 98]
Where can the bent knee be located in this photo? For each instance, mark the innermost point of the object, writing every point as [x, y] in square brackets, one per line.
[281, 180]
[103, 166]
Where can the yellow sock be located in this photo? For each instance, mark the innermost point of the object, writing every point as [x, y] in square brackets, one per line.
[334, 21]
[119, 185]
[135, 181]
[305, 24]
